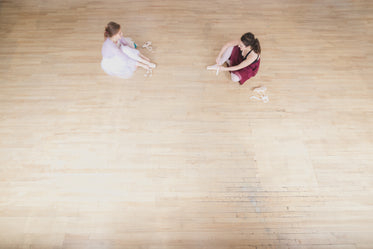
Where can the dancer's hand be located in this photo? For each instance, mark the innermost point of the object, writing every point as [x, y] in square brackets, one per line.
[222, 68]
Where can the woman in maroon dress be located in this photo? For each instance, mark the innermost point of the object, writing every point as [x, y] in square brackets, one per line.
[242, 57]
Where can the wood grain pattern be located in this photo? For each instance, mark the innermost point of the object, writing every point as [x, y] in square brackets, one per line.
[185, 159]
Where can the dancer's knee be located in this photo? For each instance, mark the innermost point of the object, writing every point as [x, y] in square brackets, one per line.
[235, 77]
[226, 55]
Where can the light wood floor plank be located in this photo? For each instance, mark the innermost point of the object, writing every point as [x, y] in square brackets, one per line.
[185, 159]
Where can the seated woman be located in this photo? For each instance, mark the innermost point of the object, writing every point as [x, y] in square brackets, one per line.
[120, 58]
[242, 57]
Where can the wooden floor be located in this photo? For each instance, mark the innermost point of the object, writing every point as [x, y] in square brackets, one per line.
[185, 159]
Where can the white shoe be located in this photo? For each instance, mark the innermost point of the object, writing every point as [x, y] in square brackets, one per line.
[213, 67]
[148, 45]
[148, 73]
[152, 65]
[260, 89]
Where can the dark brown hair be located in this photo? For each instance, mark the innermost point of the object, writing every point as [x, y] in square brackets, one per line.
[111, 29]
[249, 39]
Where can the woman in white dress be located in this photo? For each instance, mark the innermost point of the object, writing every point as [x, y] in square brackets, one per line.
[119, 57]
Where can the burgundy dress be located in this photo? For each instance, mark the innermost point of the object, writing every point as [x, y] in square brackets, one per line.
[246, 72]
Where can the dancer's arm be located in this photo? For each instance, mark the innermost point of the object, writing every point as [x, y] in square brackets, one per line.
[243, 64]
[229, 44]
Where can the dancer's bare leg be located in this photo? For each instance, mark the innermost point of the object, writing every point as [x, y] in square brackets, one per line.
[227, 54]
[145, 60]
[132, 53]
[144, 57]
[146, 67]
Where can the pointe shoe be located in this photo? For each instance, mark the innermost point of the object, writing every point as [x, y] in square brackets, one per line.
[148, 73]
[213, 67]
[260, 89]
[152, 65]
[147, 44]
